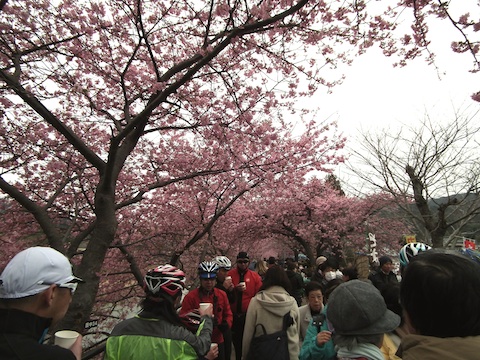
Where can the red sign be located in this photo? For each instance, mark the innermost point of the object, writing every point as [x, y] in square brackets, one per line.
[469, 244]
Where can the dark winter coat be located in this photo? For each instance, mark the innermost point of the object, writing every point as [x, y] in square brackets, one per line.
[20, 336]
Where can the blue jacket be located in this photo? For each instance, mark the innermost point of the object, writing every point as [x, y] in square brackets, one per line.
[310, 349]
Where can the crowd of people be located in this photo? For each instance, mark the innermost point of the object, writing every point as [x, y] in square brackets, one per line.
[431, 312]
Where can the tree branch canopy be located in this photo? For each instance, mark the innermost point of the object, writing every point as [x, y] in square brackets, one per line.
[142, 125]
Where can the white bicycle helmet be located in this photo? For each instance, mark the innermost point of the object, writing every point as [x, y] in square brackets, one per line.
[223, 262]
[165, 278]
[207, 270]
[408, 251]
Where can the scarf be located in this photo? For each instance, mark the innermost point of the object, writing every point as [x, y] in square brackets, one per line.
[369, 351]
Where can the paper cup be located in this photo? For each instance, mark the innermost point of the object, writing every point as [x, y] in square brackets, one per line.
[243, 284]
[204, 306]
[214, 348]
[66, 338]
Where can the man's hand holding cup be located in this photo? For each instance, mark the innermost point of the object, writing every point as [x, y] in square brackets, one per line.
[206, 309]
[228, 283]
[242, 286]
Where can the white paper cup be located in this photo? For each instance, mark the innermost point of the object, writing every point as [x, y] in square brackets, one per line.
[204, 306]
[66, 338]
[213, 349]
[243, 284]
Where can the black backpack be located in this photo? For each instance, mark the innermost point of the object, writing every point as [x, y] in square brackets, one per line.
[271, 346]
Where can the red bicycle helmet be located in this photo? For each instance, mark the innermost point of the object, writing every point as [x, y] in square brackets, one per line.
[166, 278]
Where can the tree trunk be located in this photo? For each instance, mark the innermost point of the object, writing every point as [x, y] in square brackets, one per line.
[437, 229]
[92, 261]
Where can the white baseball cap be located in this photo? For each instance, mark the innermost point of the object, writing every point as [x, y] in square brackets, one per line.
[33, 270]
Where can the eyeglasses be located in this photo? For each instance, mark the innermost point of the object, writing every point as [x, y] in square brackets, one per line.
[242, 261]
[71, 286]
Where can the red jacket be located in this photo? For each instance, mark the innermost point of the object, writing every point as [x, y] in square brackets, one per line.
[253, 282]
[221, 308]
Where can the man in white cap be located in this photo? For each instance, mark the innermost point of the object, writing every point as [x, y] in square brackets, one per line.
[36, 288]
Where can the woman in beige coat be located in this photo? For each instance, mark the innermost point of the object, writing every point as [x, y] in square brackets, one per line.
[268, 308]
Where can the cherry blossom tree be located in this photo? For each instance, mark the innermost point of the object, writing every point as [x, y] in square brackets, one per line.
[115, 112]
[311, 216]
[107, 103]
[318, 219]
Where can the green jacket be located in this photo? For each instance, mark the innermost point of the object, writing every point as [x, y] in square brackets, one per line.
[141, 338]
[310, 349]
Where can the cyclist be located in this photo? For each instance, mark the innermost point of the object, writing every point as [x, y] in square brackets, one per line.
[157, 332]
[225, 283]
[408, 251]
[208, 293]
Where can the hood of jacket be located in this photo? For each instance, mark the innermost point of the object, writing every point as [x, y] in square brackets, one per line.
[275, 300]
[427, 347]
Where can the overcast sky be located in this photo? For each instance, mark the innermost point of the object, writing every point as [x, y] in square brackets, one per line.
[375, 95]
